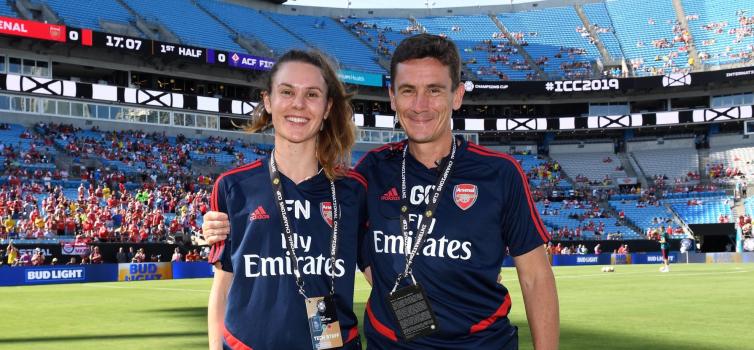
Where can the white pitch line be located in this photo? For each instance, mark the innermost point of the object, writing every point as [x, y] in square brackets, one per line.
[149, 288]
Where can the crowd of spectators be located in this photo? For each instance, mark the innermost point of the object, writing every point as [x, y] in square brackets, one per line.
[13, 256]
[729, 34]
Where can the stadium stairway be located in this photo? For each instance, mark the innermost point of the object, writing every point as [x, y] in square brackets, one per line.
[606, 58]
[703, 162]
[521, 51]
[253, 46]
[680, 13]
[628, 167]
[605, 205]
[739, 209]
[382, 60]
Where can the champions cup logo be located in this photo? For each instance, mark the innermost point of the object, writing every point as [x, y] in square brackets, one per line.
[468, 85]
[465, 195]
[325, 208]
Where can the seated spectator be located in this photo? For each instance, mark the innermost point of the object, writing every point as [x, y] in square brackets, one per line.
[177, 256]
[95, 257]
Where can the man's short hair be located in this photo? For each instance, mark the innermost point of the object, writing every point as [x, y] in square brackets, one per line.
[428, 45]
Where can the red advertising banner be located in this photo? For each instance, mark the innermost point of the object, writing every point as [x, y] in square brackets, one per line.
[31, 29]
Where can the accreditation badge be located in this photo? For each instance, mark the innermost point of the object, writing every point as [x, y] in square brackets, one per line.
[323, 323]
[412, 311]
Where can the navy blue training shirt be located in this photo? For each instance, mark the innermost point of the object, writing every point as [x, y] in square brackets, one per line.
[264, 309]
[485, 208]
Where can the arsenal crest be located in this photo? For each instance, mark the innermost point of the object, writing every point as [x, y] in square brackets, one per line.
[325, 208]
[465, 195]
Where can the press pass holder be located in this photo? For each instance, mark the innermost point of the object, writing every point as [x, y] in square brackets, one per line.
[321, 312]
[411, 309]
[323, 323]
[410, 305]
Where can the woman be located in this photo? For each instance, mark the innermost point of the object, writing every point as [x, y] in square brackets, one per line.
[276, 274]
[95, 257]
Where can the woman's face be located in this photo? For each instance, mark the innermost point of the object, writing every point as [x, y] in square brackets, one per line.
[298, 102]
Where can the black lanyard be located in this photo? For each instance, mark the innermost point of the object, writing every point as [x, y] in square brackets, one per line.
[429, 213]
[287, 231]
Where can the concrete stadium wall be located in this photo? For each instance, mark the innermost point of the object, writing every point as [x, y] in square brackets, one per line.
[731, 140]
[667, 144]
[587, 148]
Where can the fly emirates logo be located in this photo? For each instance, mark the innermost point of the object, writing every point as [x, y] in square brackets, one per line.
[385, 243]
[260, 266]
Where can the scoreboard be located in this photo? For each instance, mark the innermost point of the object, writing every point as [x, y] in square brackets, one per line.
[144, 47]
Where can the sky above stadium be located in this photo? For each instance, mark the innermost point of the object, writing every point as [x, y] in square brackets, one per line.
[361, 4]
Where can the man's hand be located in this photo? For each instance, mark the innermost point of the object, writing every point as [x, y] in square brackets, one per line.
[215, 227]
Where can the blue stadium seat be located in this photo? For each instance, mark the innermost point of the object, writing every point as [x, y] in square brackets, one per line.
[252, 23]
[6, 9]
[598, 15]
[87, 13]
[333, 38]
[472, 31]
[549, 39]
[632, 26]
[191, 24]
[371, 28]
[722, 46]
[708, 212]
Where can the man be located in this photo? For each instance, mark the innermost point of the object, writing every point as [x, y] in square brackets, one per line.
[483, 209]
[121, 256]
[664, 247]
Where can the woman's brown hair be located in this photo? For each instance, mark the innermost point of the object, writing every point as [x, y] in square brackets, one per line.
[338, 135]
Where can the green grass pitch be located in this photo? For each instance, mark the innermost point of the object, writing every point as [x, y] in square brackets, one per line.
[697, 306]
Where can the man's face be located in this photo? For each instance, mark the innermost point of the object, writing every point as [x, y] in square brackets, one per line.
[424, 98]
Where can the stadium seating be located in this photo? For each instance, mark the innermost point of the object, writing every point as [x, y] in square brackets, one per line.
[331, 36]
[6, 10]
[733, 156]
[591, 165]
[561, 45]
[470, 33]
[598, 16]
[372, 29]
[645, 216]
[637, 28]
[252, 23]
[707, 211]
[87, 14]
[672, 163]
[715, 28]
[562, 220]
[652, 41]
[24, 152]
[188, 22]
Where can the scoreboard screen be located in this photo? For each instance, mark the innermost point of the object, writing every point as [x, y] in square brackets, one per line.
[90, 38]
